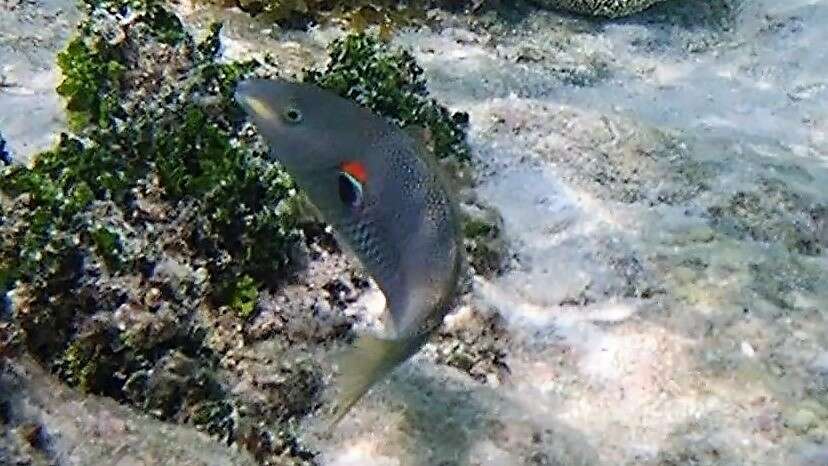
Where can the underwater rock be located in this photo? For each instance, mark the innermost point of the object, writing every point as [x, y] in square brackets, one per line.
[614, 157]
[5, 158]
[486, 248]
[475, 342]
[606, 8]
[156, 258]
[145, 229]
[774, 213]
[42, 421]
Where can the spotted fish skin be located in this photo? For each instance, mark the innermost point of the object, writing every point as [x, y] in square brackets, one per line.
[605, 8]
[388, 202]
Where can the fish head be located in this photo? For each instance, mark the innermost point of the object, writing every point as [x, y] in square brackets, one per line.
[317, 136]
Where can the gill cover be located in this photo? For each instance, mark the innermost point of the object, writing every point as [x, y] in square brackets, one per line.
[350, 181]
[315, 135]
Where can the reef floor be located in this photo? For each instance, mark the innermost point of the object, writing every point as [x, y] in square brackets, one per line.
[662, 186]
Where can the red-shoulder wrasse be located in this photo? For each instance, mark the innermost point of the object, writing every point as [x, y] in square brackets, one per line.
[385, 196]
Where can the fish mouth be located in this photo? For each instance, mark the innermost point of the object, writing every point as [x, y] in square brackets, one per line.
[243, 91]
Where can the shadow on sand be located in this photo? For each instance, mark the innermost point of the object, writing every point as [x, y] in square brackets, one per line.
[447, 419]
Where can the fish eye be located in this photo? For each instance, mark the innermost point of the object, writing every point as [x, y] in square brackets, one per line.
[350, 190]
[293, 115]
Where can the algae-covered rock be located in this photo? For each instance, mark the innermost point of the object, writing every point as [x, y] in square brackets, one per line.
[44, 422]
[774, 213]
[476, 343]
[354, 14]
[606, 8]
[486, 247]
[117, 244]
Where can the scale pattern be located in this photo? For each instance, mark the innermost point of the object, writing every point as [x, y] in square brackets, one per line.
[606, 8]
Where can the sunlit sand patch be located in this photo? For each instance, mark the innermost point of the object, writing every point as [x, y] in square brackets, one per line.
[361, 452]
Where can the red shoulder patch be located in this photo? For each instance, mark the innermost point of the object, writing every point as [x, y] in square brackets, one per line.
[355, 169]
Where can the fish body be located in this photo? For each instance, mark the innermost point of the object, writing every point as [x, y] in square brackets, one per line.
[387, 201]
[604, 8]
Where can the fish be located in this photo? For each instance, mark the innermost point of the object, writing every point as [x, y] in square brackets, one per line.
[389, 204]
[604, 8]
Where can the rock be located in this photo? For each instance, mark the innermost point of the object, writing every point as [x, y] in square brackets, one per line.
[606, 8]
[48, 423]
[486, 247]
[5, 158]
[802, 420]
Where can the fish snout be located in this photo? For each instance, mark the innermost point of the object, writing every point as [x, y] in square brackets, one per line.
[244, 91]
[259, 101]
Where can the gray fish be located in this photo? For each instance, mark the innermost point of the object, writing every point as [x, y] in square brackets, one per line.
[387, 201]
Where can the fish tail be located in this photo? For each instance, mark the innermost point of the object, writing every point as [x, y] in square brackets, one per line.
[367, 362]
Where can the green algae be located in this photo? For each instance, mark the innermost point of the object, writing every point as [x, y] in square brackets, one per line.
[243, 296]
[478, 228]
[87, 69]
[189, 150]
[85, 363]
[108, 245]
[483, 238]
[51, 194]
